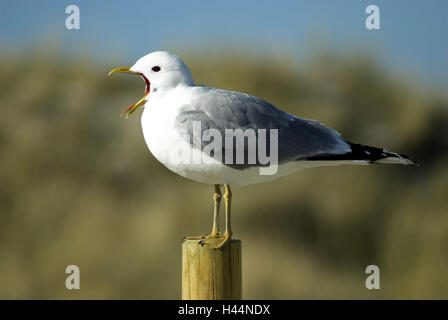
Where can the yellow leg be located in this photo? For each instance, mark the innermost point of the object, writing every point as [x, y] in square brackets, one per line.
[228, 201]
[217, 205]
[217, 202]
[216, 240]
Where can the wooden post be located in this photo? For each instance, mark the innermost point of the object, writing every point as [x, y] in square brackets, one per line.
[211, 274]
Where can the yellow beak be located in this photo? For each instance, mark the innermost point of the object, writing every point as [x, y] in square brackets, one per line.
[131, 109]
[125, 69]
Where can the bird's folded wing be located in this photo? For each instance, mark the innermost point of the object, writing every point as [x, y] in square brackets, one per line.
[218, 109]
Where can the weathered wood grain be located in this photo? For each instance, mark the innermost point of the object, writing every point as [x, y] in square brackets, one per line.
[211, 274]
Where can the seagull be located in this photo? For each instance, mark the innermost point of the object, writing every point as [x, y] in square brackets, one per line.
[180, 119]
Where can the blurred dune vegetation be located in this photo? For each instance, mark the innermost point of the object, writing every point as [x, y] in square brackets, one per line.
[79, 186]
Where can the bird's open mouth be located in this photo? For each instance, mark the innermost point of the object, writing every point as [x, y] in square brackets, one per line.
[130, 110]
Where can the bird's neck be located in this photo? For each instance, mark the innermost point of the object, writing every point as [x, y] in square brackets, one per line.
[161, 95]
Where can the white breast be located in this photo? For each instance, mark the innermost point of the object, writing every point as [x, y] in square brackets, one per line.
[158, 126]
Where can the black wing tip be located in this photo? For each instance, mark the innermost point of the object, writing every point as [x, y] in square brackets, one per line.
[360, 152]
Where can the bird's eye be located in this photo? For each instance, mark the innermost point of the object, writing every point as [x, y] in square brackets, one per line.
[156, 69]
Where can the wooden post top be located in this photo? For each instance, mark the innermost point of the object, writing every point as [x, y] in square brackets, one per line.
[211, 274]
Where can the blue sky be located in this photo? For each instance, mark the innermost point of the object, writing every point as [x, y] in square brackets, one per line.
[413, 35]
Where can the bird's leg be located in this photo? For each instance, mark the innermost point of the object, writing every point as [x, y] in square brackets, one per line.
[215, 230]
[216, 240]
[228, 202]
[217, 203]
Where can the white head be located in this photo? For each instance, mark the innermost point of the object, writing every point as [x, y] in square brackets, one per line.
[161, 71]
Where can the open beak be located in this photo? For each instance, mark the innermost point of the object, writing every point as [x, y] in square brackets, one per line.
[130, 110]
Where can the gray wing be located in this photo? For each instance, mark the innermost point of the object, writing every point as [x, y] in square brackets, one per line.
[298, 139]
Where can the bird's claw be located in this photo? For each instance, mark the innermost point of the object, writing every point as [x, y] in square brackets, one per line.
[216, 241]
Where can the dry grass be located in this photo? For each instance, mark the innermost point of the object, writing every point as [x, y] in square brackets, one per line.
[78, 186]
